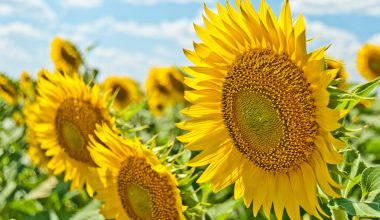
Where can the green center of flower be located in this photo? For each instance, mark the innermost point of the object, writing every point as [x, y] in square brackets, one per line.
[257, 120]
[139, 200]
[72, 136]
[269, 111]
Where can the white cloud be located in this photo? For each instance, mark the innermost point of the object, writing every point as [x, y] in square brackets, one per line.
[29, 8]
[179, 31]
[344, 44]
[10, 51]
[320, 7]
[18, 28]
[375, 39]
[155, 2]
[5, 10]
[81, 3]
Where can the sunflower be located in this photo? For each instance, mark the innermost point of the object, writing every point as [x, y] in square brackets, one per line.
[128, 91]
[67, 114]
[65, 56]
[156, 104]
[259, 112]
[133, 183]
[341, 74]
[165, 86]
[8, 91]
[26, 86]
[35, 152]
[368, 61]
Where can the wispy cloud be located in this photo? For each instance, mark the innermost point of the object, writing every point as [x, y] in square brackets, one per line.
[81, 4]
[27, 9]
[19, 29]
[321, 7]
[155, 2]
[9, 50]
[375, 39]
[179, 31]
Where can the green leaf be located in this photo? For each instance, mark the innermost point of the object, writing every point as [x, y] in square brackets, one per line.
[90, 211]
[361, 209]
[348, 100]
[29, 207]
[43, 190]
[7, 191]
[371, 184]
[221, 211]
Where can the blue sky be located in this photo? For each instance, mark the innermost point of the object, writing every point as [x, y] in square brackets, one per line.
[133, 35]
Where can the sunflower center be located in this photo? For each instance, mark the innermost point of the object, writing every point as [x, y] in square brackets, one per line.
[75, 121]
[122, 94]
[68, 57]
[374, 64]
[144, 193]
[269, 111]
[177, 85]
[7, 89]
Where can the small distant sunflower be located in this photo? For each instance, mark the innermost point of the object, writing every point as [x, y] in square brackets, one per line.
[65, 56]
[26, 85]
[259, 112]
[341, 74]
[165, 84]
[128, 91]
[35, 152]
[156, 104]
[18, 118]
[133, 183]
[368, 61]
[8, 92]
[67, 114]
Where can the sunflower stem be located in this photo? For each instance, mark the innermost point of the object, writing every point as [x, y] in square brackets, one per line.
[339, 214]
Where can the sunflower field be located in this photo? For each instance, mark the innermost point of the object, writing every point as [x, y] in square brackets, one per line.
[258, 127]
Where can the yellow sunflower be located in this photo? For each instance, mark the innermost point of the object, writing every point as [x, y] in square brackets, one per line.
[133, 183]
[26, 86]
[65, 56]
[341, 74]
[156, 104]
[128, 91]
[259, 112]
[368, 61]
[35, 152]
[18, 118]
[67, 114]
[164, 85]
[8, 92]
